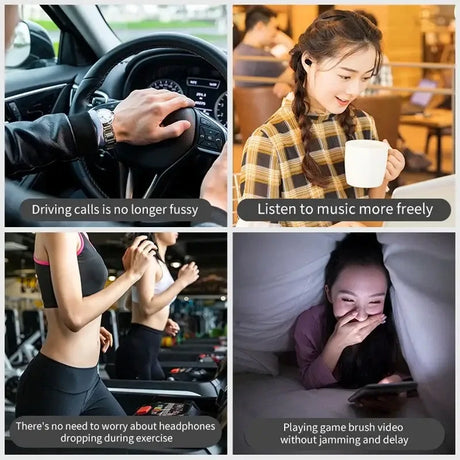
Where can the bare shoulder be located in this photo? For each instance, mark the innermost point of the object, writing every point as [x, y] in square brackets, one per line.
[58, 241]
[153, 271]
[156, 267]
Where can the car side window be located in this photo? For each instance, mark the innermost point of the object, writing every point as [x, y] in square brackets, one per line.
[36, 40]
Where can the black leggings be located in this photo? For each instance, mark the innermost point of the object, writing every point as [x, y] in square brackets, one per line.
[137, 355]
[48, 387]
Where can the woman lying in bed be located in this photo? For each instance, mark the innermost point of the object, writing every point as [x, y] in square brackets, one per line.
[350, 339]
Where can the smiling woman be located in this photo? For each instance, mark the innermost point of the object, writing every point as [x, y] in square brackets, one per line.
[350, 338]
[299, 151]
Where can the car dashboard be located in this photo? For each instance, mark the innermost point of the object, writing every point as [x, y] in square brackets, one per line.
[171, 69]
[183, 73]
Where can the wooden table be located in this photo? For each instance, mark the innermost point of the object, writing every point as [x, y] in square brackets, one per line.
[436, 120]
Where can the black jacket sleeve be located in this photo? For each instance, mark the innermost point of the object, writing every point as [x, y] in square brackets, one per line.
[217, 218]
[31, 146]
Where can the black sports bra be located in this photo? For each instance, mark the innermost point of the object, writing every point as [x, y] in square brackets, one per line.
[93, 273]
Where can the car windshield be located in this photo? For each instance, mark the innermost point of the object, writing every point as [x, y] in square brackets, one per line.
[208, 22]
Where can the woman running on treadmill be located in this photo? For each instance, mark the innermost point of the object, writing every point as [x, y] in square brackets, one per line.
[62, 379]
[137, 355]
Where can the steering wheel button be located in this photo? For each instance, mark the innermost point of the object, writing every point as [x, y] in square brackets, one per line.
[211, 132]
[210, 145]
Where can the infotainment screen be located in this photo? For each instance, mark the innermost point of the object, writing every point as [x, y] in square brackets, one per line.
[204, 91]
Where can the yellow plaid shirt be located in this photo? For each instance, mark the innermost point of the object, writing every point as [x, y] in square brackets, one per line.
[273, 155]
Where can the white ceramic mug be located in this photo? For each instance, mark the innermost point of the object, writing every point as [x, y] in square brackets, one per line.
[365, 162]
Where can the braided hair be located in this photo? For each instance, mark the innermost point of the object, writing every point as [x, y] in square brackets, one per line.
[332, 33]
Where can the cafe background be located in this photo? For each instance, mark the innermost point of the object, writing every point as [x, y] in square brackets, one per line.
[419, 41]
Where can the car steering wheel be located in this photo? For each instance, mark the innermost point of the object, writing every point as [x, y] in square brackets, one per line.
[204, 135]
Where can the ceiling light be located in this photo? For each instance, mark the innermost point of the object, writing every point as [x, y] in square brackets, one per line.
[112, 278]
[13, 246]
[175, 264]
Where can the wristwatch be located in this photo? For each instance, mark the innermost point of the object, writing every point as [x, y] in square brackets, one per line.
[106, 118]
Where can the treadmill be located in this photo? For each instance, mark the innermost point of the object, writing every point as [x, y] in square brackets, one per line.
[209, 397]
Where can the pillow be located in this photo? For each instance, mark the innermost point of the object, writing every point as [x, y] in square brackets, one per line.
[276, 277]
[422, 271]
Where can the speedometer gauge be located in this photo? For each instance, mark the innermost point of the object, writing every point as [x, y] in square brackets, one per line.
[166, 83]
[220, 109]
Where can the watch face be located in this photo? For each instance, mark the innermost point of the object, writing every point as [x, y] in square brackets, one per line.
[105, 115]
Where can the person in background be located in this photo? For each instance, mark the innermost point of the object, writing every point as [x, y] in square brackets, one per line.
[151, 298]
[237, 35]
[261, 35]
